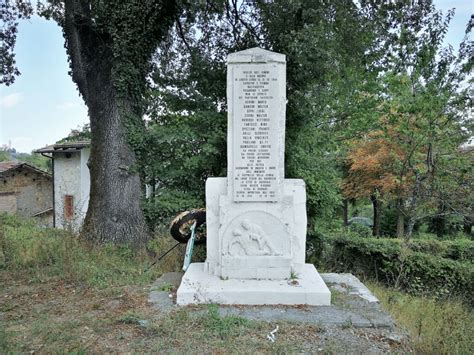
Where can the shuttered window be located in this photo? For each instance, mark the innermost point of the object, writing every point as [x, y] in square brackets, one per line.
[68, 207]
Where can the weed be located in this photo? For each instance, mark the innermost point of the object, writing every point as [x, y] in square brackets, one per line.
[167, 287]
[435, 326]
[347, 324]
[131, 317]
[338, 297]
[293, 275]
[43, 253]
[225, 326]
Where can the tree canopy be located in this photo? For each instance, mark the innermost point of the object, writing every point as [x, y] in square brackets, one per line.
[376, 105]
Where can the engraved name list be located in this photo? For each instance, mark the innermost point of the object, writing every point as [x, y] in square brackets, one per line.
[255, 133]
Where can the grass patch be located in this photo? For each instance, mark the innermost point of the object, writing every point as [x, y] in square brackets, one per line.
[43, 253]
[166, 287]
[5, 342]
[226, 326]
[445, 327]
[206, 331]
[131, 317]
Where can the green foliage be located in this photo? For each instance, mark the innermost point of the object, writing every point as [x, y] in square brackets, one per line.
[79, 134]
[224, 326]
[326, 47]
[42, 253]
[402, 266]
[37, 160]
[181, 152]
[360, 230]
[414, 160]
[434, 327]
[388, 221]
[10, 14]
[458, 249]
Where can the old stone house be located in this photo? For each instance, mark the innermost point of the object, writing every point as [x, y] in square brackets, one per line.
[71, 182]
[27, 191]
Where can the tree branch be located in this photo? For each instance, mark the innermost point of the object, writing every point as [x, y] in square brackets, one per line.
[73, 9]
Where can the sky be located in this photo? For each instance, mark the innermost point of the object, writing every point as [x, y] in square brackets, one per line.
[43, 104]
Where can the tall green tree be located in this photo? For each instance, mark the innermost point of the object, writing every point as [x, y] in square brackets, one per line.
[329, 48]
[10, 13]
[110, 45]
[185, 142]
[424, 102]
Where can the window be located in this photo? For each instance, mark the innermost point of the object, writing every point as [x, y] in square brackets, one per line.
[68, 207]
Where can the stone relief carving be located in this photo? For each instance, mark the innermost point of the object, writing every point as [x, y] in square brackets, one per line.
[251, 240]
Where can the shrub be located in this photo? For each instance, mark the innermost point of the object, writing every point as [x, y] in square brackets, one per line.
[360, 230]
[459, 249]
[389, 261]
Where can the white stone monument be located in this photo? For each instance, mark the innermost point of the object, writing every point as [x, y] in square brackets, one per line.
[256, 219]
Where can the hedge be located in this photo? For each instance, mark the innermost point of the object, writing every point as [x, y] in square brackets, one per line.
[460, 249]
[390, 262]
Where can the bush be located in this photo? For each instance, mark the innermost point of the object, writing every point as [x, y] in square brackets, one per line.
[459, 249]
[360, 230]
[389, 261]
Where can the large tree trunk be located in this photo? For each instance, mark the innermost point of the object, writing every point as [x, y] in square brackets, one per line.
[412, 208]
[114, 213]
[467, 226]
[409, 228]
[400, 219]
[377, 207]
[345, 211]
[438, 222]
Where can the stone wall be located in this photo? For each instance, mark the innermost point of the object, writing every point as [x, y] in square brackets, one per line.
[25, 192]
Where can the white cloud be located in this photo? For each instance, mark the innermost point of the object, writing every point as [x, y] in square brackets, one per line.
[11, 100]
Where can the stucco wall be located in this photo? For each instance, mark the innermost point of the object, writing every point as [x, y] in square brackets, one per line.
[85, 179]
[67, 175]
[71, 177]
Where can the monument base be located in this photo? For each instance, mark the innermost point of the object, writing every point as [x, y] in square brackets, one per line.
[199, 287]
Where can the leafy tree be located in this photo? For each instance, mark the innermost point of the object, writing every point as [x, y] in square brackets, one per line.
[422, 105]
[185, 142]
[329, 49]
[78, 134]
[110, 45]
[374, 172]
[183, 151]
[10, 13]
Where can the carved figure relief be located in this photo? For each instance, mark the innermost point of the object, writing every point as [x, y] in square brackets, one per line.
[251, 240]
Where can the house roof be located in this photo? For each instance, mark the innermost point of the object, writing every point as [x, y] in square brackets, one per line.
[9, 166]
[64, 147]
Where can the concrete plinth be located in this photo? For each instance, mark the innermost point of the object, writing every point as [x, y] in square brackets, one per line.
[200, 287]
